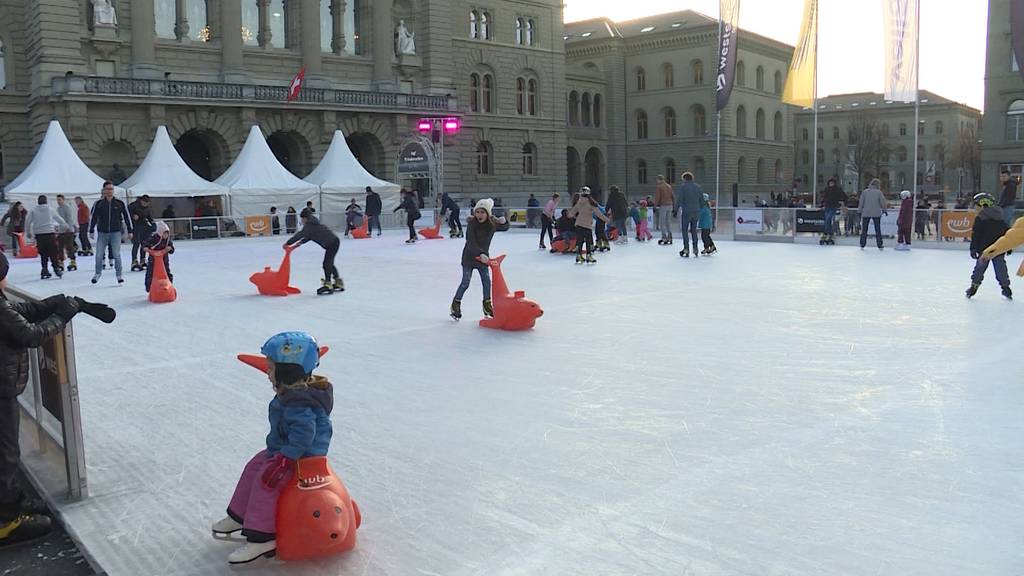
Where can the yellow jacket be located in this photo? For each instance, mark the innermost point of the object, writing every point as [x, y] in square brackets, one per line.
[1013, 238]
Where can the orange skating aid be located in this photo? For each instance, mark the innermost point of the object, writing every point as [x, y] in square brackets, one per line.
[432, 233]
[613, 234]
[260, 363]
[511, 311]
[559, 246]
[26, 250]
[160, 289]
[275, 282]
[363, 232]
[315, 515]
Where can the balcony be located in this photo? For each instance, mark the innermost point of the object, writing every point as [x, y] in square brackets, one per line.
[222, 94]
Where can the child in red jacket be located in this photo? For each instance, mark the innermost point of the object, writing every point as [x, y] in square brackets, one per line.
[905, 221]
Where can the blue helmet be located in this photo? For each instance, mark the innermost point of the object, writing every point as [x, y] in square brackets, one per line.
[293, 348]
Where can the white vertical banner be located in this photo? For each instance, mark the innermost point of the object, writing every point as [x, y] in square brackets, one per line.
[901, 53]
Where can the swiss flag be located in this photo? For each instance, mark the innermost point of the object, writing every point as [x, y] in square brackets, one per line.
[296, 86]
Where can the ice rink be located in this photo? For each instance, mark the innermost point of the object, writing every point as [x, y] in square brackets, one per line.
[774, 410]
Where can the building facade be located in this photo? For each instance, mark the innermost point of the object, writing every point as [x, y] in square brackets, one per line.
[1003, 133]
[209, 69]
[864, 136]
[641, 99]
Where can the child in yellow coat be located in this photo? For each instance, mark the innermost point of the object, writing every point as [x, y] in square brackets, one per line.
[1012, 240]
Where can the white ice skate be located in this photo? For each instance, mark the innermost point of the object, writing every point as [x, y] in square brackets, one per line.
[226, 527]
[253, 551]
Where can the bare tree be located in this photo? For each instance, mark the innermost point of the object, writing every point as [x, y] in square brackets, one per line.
[967, 155]
[871, 146]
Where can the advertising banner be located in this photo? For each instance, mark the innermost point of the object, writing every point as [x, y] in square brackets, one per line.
[257, 225]
[749, 221]
[810, 221]
[889, 227]
[957, 224]
[730, 19]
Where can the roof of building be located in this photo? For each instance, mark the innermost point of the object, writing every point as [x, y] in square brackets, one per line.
[606, 28]
[874, 100]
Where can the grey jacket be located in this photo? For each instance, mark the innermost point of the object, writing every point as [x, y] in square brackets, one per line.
[69, 215]
[42, 219]
[688, 198]
[872, 203]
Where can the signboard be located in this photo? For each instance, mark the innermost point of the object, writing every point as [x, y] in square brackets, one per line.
[889, 227]
[517, 217]
[958, 224]
[257, 225]
[414, 159]
[810, 221]
[749, 221]
[204, 228]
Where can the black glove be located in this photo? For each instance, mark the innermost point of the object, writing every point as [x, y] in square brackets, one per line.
[101, 312]
[55, 300]
[67, 309]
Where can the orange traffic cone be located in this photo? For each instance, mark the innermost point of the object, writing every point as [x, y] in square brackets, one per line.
[160, 289]
[26, 250]
[275, 282]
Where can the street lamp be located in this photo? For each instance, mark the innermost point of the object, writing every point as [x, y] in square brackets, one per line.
[437, 127]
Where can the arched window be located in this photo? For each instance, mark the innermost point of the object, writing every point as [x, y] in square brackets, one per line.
[821, 133]
[741, 122]
[700, 121]
[641, 79]
[529, 160]
[668, 75]
[474, 92]
[741, 169]
[886, 156]
[805, 157]
[698, 72]
[474, 24]
[778, 132]
[641, 172]
[920, 153]
[574, 108]
[779, 174]
[598, 110]
[920, 128]
[487, 98]
[835, 133]
[778, 82]
[531, 32]
[484, 158]
[760, 171]
[699, 169]
[1015, 121]
[760, 78]
[903, 129]
[531, 97]
[520, 31]
[670, 170]
[641, 125]
[901, 153]
[670, 122]
[585, 109]
[939, 128]
[759, 124]
[165, 14]
[741, 74]
[3, 66]
[821, 156]
[806, 135]
[485, 26]
[520, 95]
[835, 155]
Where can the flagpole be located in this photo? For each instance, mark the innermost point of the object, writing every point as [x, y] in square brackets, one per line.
[917, 93]
[814, 137]
[718, 133]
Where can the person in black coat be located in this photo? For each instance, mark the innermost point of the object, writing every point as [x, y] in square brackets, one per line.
[412, 214]
[143, 225]
[313, 231]
[275, 221]
[989, 226]
[454, 215]
[476, 255]
[373, 209]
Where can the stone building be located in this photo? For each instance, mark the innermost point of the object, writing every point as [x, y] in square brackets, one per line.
[111, 71]
[1003, 132]
[945, 127]
[641, 97]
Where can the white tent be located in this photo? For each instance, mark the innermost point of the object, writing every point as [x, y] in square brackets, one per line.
[56, 169]
[258, 181]
[164, 174]
[341, 177]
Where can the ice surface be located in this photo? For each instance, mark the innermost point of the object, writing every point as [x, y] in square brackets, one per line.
[774, 410]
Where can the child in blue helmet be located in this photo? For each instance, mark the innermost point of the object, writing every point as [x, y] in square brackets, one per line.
[300, 426]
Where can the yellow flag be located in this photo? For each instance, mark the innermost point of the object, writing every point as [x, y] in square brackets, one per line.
[800, 85]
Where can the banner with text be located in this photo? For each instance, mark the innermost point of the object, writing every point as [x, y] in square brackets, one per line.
[810, 221]
[958, 224]
[728, 30]
[749, 221]
[257, 225]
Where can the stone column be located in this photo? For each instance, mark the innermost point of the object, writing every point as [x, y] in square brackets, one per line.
[181, 29]
[231, 67]
[265, 33]
[383, 46]
[310, 35]
[143, 40]
[338, 8]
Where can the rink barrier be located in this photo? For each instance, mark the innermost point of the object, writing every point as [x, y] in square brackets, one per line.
[53, 457]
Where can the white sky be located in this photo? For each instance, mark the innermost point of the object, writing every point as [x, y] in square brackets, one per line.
[850, 38]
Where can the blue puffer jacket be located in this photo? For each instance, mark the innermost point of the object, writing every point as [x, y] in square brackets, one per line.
[705, 215]
[300, 421]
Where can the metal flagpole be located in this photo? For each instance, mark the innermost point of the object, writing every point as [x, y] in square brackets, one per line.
[814, 137]
[917, 93]
[718, 133]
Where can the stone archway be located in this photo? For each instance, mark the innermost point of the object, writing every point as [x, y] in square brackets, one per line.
[572, 166]
[204, 151]
[369, 152]
[292, 150]
[594, 171]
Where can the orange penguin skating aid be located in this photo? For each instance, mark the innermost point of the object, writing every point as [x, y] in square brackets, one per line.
[363, 232]
[26, 250]
[275, 282]
[511, 311]
[161, 290]
[432, 233]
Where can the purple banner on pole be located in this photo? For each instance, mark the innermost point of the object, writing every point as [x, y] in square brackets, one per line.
[729, 13]
[1017, 32]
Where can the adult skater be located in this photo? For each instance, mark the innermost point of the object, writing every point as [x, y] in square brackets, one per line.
[688, 201]
[108, 216]
[143, 226]
[353, 216]
[1008, 197]
[275, 221]
[14, 220]
[451, 207]
[547, 220]
[989, 227]
[44, 225]
[412, 214]
[663, 206]
[83, 227]
[374, 207]
[872, 206]
[833, 198]
[585, 211]
[66, 237]
[618, 208]
[905, 221]
[476, 254]
[313, 230]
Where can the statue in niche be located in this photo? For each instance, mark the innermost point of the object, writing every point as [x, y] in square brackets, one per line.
[406, 43]
[103, 13]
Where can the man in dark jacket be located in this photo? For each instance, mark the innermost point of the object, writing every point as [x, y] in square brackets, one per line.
[989, 227]
[108, 214]
[143, 226]
[22, 326]
[275, 221]
[412, 214]
[832, 199]
[688, 202]
[1008, 198]
[373, 209]
[313, 231]
[618, 208]
[454, 215]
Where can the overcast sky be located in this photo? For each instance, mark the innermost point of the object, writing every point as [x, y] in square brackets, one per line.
[851, 50]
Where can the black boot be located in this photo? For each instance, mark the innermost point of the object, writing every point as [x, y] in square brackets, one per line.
[488, 309]
[972, 290]
[24, 529]
[456, 310]
[1007, 293]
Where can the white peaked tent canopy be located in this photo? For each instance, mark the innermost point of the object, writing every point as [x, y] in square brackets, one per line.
[341, 177]
[258, 181]
[164, 174]
[56, 169]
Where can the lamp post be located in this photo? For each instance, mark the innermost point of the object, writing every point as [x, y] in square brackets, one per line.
[437, 127]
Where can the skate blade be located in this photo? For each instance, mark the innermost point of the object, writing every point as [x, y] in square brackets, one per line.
[267, 555]
[233, 537]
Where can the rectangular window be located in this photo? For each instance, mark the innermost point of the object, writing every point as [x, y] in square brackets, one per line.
[1015, 127]
[276, 17]
[250, 22]
[198, 25]
[165, 15]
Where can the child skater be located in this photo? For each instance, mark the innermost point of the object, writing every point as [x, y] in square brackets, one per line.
[300, 427]
[989, 227]
[905, 221]
[584, 211]
[476, 254]
[634, 215]
[705, 224]
[412, 214]
[158, 241]
[643, 232]
[566, 227]
[313, 230]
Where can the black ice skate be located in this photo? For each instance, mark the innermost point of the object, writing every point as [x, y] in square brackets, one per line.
[456, 310]
[591, 259]
[1007, 293]
[662, 242]
[24, 530]
[45, 275]
[325, 288]
[410, 241]
[712, 250]
[684, 253]
[488, 309]
[339, 285]
[972, 291]
[72, 266]
[135, 266]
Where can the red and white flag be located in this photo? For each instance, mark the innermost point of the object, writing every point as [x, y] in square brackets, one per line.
[296, 85]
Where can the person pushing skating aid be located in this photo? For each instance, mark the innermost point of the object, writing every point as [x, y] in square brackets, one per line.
[475, 255]
[313, 231]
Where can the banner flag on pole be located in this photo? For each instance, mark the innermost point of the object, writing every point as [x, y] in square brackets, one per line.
[729, 13]
[1017, 32]
[296, 86]
[901, 50]
[800, 84]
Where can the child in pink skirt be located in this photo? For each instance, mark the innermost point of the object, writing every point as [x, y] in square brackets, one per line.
[643, 234]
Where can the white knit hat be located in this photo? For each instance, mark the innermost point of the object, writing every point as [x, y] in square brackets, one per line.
[487, 205]
[905, 194]
[162, 227]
